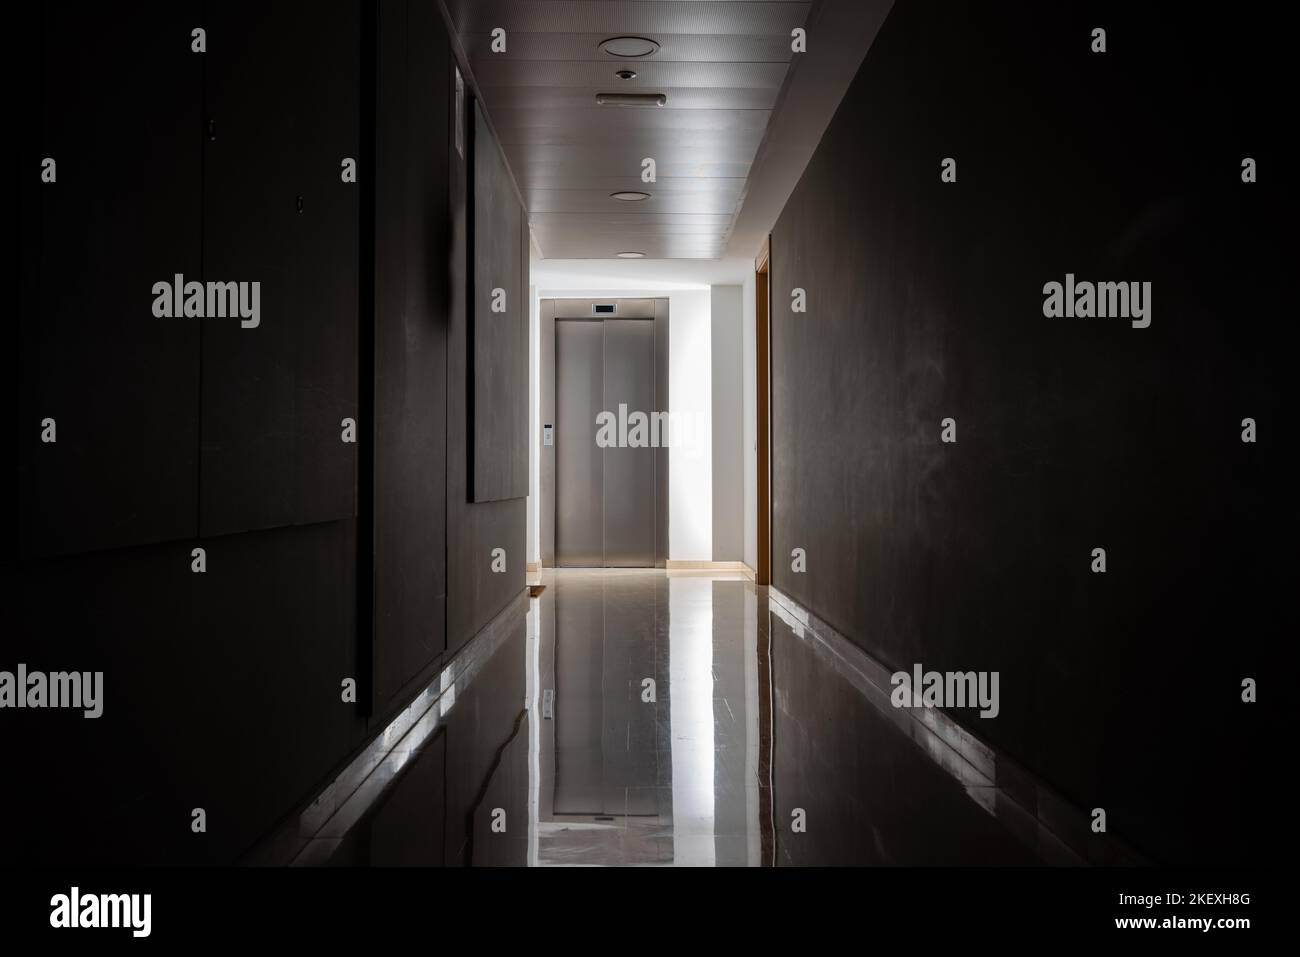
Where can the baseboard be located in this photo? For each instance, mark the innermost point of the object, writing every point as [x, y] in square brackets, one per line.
[361, 780]
[676, 564]
[1057, 829]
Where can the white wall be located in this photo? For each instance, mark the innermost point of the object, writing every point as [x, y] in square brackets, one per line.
[534, 429]
[749, 416]
[727, 310]
[690, 400]
[690, 405]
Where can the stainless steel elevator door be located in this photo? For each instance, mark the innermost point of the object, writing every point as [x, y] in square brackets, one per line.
[604, 497]
[630, 469]
[579, 466]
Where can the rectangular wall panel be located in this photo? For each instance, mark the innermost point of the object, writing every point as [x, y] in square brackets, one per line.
[224, 685]
[119, 121]
[475, 530]
[499, 326]
[282, 94]
[410, 345]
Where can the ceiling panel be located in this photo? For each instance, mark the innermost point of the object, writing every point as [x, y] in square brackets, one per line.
[625, 155]
[729, 144]
[676, 186]
[579, 247]
[580, 220]
[679, 47]
[545, 99]
[510, 122]
[666, 184]
[634, 238]
[615, 17]
[651, 76]
[570, 169]
[721, 64]
[615, 229]
[598, 201]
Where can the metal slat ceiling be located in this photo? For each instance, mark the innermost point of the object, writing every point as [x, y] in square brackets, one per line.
[720, 63]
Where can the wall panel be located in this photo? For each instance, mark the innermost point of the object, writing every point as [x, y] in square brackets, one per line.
[119, 115]
[474, 529]
[925, 302]
[282, 101]
[223, 688]
[221, 691]
[410, 344]
[498, 340]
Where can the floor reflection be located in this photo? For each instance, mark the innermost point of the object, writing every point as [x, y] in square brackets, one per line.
[648, 742]
[638, 717]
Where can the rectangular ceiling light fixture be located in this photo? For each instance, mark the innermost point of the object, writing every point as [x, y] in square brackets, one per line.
[631, 99]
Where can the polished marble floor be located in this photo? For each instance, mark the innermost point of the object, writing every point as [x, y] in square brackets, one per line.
[642, 717]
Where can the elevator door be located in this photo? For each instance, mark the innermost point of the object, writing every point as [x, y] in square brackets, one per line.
[579, 466]
[604, 497]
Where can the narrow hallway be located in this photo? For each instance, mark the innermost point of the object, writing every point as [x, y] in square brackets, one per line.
[721, 442]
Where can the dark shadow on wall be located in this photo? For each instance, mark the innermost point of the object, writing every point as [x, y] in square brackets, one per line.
[925, 301]
[223, 690]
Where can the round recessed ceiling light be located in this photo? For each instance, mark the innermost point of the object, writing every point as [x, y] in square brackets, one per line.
[625, 74]
[629, 195]
[631, 255]
[629, 46]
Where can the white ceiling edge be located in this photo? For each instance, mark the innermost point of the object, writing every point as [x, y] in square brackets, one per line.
[613, 275]
[840, 32]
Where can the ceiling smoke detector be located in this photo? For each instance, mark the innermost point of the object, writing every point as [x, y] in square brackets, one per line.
[629, 195]
[629, 47]
[631, 255]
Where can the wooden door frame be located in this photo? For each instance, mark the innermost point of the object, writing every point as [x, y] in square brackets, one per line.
[762, 414]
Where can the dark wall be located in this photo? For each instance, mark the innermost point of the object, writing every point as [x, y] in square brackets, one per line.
[413, 100]
[835, 757]
[925, 301]
[474, 529]
[434, 586]
[486, 759]
[325, 559]
[281, 115]
[499, 327]
[439, 810]
[221, 688]
[113, 223]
